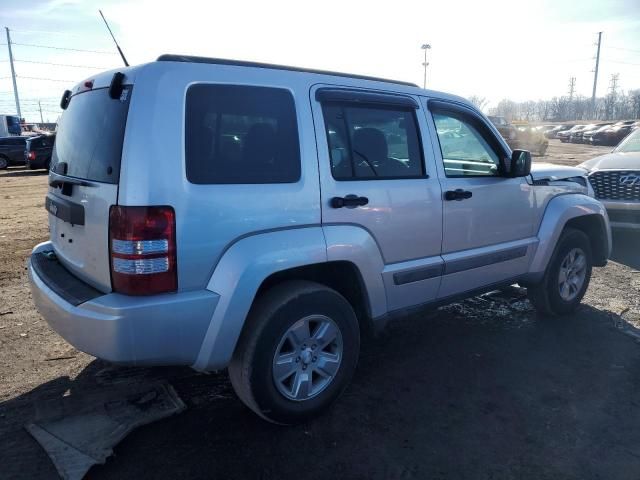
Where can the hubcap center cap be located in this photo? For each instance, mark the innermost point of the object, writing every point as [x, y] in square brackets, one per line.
[306, 356]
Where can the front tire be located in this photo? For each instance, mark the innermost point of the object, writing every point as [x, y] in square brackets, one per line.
[567, 276]
[297, 353]
[4, 163]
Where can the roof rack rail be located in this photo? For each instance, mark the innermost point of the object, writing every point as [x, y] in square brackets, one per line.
[242, 63]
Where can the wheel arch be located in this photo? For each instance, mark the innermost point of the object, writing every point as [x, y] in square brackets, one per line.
[340, 275]
[345, 258]
[571, 211]
[593, 226]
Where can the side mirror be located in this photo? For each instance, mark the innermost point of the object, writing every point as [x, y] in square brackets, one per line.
[520, 165]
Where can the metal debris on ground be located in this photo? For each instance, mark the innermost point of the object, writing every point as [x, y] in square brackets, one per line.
[78, 432]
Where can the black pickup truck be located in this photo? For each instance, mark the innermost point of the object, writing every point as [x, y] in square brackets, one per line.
[12, 151]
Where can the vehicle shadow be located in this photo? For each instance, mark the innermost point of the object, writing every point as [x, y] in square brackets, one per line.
[626, 248]
[480, 389]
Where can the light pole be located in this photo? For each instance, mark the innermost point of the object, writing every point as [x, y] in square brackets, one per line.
[425, 47]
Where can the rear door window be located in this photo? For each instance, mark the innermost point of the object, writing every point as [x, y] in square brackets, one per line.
[368, 142]
[241, 135]
[90, 136]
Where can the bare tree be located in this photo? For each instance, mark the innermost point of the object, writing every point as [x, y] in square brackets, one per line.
[479, 102]
[616, 105]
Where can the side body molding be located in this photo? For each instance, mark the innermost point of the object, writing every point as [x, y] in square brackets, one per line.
[237, 277]
[558, 212]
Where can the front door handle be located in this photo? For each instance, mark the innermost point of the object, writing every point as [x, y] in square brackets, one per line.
[348, 201]
[457, 194]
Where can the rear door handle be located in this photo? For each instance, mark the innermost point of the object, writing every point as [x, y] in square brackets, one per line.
[457, 194]
[348, 201]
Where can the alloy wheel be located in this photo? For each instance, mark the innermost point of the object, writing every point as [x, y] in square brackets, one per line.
[307, 358]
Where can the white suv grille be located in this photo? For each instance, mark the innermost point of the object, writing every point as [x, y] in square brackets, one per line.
[616, 185]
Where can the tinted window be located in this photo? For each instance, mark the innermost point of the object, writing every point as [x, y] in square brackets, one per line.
[239, 134]
[13, 125]
[90, 136]
[465, 152]
[372, 142]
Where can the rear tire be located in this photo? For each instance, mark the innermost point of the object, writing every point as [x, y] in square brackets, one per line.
[4, 163]
[297, 353]
[567, 276]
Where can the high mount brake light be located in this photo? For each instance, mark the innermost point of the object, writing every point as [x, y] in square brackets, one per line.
[142, 243]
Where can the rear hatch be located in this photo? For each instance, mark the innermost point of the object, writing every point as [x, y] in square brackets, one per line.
[83, 182]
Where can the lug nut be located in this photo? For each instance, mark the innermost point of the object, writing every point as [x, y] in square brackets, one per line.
[315, 358]
[304, 367]
[313, 347]
[297, 359]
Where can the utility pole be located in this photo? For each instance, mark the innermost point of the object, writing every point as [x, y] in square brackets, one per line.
[40, 108]
[13, 74]
[595, 75]
[425, 64]
[572, 87]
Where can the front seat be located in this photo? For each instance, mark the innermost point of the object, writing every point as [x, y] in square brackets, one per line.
[371, 152]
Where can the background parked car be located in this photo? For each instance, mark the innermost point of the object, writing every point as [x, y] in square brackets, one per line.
[576, 136]
[12, 151]
[522, 136]
[505, 128]
[553, 132]
[618, 131]
[588, 136]
[564, 135]
[615, 178]
[37, 153]
[530, 138]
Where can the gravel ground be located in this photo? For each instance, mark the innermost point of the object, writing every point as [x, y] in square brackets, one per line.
[479, 389]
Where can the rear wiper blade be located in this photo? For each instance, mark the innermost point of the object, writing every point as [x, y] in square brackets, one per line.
[57, 180]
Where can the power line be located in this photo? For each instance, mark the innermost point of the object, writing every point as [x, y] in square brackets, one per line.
[60, 64]
[48, 79]
[625, 63]
[627, 49]
[62, 48]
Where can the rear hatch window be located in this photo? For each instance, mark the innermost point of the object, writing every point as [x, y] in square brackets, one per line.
[90, 136]
[88, 147]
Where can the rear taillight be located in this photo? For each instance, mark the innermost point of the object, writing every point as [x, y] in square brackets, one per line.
[142, 243]
[31, 155]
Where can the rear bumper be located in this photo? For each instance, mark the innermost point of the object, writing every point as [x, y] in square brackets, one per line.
[155, 330]
[623, 215]
[37, 163]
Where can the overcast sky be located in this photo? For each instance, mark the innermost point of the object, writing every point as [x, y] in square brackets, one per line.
[496, 49]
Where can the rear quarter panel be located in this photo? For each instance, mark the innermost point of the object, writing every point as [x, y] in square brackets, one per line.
[209, 218]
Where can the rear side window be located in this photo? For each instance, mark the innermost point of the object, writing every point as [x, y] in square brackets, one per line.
[90, 135]
[372, 142]
[241, 134]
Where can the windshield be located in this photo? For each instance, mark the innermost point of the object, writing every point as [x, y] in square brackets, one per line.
[90, 136]
[630, 144]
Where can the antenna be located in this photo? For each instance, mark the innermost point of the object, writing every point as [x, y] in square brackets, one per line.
[126, 64]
